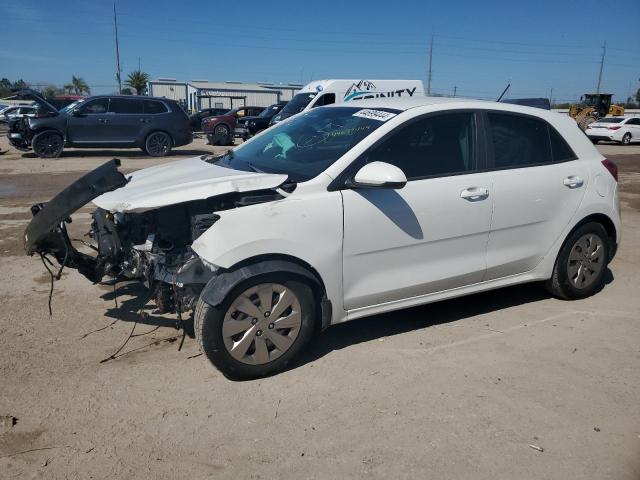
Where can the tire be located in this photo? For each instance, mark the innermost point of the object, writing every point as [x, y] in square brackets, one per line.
[48, 144]
[158, 144]
[626, 139]
[594, 141]
[583, 256]
[223, 328]
[221, 135]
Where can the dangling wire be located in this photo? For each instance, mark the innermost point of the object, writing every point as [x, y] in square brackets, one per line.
[57, 276]
[141, 315]
[43, 257]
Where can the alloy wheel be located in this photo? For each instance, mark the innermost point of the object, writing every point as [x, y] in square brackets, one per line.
[158, 144]
[221, 130]
[586, 261]
[262, 323]
[48, 145]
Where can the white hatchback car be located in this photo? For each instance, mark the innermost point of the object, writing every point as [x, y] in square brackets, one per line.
[624, 130]
[342, 212]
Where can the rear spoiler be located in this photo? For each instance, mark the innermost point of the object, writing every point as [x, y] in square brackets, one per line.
[543, 103]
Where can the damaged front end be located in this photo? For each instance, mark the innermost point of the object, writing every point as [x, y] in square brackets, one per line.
[150, 245]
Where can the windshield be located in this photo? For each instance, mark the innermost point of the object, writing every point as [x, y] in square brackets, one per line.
[71, 106]
[297, 104]
[307, 145]
[610, 120]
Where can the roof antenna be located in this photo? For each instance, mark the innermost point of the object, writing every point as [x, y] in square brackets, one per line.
[504, 91]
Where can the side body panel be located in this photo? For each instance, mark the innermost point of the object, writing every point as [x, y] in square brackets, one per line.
[419, 239]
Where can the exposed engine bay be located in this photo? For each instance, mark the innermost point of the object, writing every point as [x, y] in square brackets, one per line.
[152, 246]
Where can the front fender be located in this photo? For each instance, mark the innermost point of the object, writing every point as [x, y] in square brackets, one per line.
[307, 226]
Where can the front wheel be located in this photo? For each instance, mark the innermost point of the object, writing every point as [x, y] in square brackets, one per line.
[158, 144]
[626, 139]
[581, 264]
[259, 328]
[47, 144]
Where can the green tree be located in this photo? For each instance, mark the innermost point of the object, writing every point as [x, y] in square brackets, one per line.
[68, 88]
[50, 91]
[20, 85]
[138, 81]
[79, 85]
[5, 87]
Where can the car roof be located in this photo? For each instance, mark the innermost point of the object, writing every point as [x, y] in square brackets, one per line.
[133, 97]
[407, 103]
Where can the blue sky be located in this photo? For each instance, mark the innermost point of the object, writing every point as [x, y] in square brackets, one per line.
[478, 45]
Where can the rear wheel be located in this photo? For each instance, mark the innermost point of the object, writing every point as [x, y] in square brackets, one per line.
[626, 139]
[581, 264]
[259, 328]
[47, 144]
[158, 144]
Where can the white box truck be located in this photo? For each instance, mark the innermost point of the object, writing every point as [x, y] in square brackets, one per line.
[326, 92]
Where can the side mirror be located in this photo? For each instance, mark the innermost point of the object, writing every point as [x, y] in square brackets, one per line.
[379, 175]
[78, 113]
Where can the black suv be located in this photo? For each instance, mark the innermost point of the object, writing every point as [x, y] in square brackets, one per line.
[153, 124]
[249, 126]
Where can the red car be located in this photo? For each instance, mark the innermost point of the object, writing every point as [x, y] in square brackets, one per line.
[220, 129]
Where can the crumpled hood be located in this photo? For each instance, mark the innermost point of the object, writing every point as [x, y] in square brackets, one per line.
[182, 181]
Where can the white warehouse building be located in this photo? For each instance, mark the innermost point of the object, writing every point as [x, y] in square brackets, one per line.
[198, 94]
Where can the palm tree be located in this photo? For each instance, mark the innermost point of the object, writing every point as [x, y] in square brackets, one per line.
[68, 88]
[138, 81]
[79, 85]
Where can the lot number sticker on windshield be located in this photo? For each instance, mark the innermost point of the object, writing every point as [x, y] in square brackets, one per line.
[379, 115]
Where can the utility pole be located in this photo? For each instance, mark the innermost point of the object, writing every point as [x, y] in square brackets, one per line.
[551, 97]
[604, 51]
[115, 24]
[455, 89]
[430, 60]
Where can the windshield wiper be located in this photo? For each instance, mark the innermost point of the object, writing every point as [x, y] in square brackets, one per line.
[254, 168]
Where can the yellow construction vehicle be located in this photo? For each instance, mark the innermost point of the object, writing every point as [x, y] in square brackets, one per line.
[592, 107]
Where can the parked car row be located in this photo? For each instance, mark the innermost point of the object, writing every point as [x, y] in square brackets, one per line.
[220, 129]
[249, 126]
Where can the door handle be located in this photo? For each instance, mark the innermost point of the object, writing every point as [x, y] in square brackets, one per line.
[145, 120]
[573, 181]
[103, 120]
[474, 194]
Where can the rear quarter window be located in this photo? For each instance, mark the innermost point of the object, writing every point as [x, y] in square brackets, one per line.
[560, 149]
[153, 107]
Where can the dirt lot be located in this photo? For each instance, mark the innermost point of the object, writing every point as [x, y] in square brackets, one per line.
[510, 384]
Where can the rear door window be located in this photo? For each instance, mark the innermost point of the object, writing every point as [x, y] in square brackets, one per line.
[518, 141]
[152, 107]
[125, 105]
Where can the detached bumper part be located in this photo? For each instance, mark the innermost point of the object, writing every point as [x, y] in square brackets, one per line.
[47, 234]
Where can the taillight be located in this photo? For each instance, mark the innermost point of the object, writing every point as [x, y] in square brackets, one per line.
[612, 167]
[617, 127]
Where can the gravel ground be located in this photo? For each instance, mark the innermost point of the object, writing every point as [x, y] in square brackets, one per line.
[502, 385]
